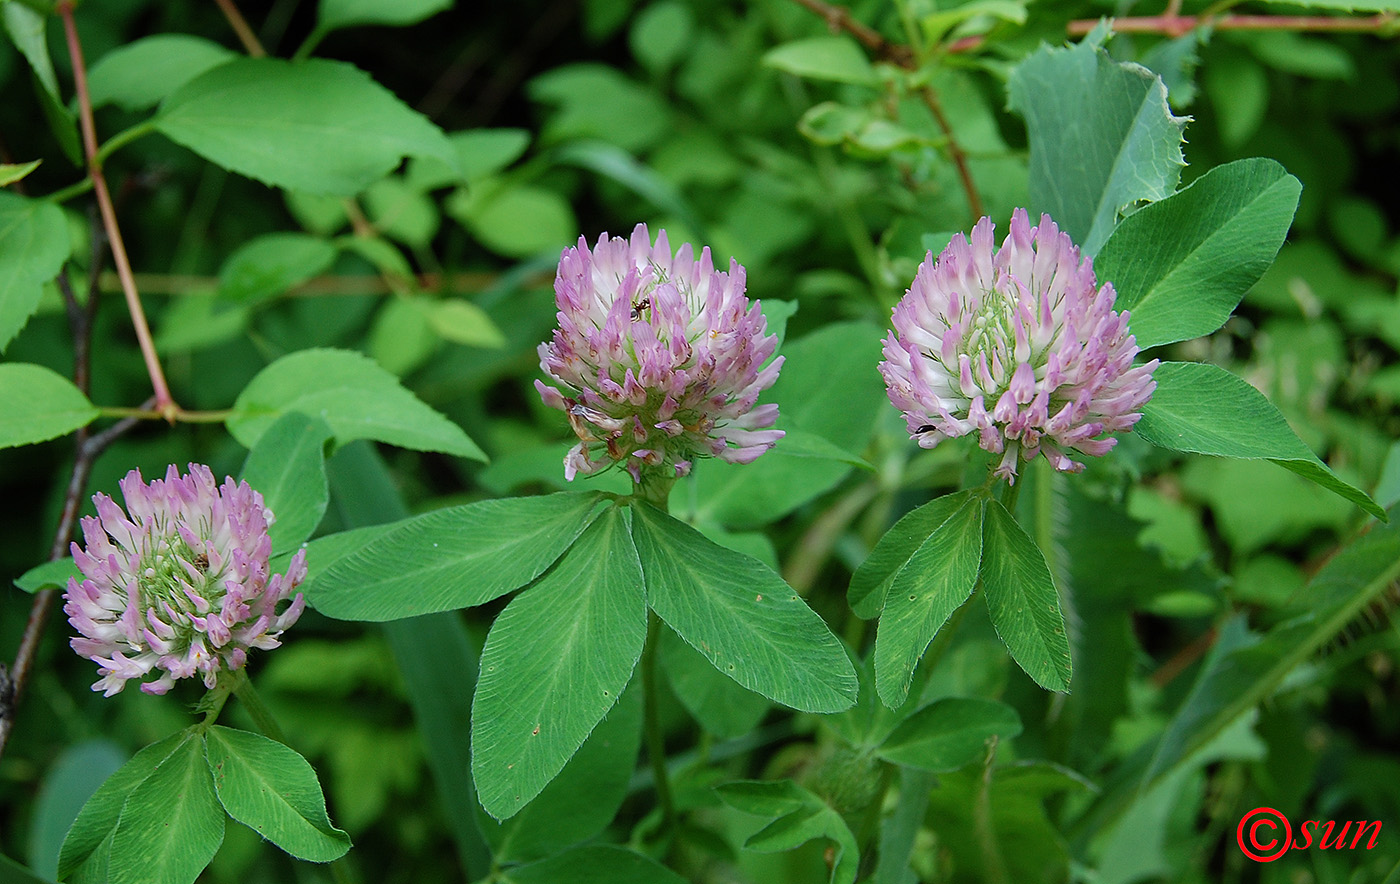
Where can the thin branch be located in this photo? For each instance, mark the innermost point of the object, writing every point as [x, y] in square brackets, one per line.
[251, 44]
[164, 401]
[840, 19]
[1178, 25]
[12, 682]
[974, 200]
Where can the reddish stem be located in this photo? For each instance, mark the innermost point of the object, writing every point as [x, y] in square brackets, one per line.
[164, 401]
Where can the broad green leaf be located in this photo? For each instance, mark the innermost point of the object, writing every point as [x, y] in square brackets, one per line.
[434, 652]
[33, 246]
[83, 856]
[1182, 264]
[950, 733]
[556, 660]
[69, 782]
[580, 802]
[746, 621]
[613, 162]
[463, 322]
[317, 126]
[396, 13]
[930, 584]
[12, 172]
[480, 153]
[836, 58]
[140, 74]
[37, 403]
[271, 789]
[1022, 600]
[826, 388]
[358, 399]
[1101, 137]
[595, 100]
[594, 864]
[720, 705]
[401, 338]
[801, 816]
[53, 575]
[515, 221]
[660, 34]
[1349, 5]
[288, 467]
[1205, 409]
[801, 443]
[28, 30]
[402, 213]
[269, 265]
[451, 558]
[871, 582]
[171, 824]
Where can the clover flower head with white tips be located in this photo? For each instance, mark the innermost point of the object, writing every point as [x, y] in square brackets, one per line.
[1019, 345]
[658, 359]
[178, 584]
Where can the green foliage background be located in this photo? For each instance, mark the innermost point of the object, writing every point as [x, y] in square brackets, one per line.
[710, 118]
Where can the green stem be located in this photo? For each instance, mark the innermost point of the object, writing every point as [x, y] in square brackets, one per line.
[309, 45]
[993, 866]
[261, 715]
[655, 736]
[123, 138]
[64, 194]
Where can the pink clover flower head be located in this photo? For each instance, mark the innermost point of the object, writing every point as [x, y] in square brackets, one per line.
[1019, 345]
[658, 359]
[178, 584]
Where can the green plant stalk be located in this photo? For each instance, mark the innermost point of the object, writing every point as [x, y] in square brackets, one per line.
[655, 736]
[261, 715]
[123, 138]
[64, 194]
[993, 866]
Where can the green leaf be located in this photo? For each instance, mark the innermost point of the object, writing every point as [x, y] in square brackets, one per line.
[33, 246]
[171, 824]
[288, 467]
[402, 213]
[316, 126]
[358, 399]
[801, 816]
[1022, 600]
[660, 34]
[837, 58]
[613, 162]
[140, 74]
[1348, 5]
[556, 660]
[928, 585]
[463, 322]
[1205, 409]
[83, 856]
[1182, 264]
[584, 798]
[826, 388]
[401, 339]
[451, 558]
[335, 14]
[871, 582]
[801, 443]
[718, 703]
[480, 153]
[741, 616]
[1101, 137]
[950, 733]
[593, 864]
[37, 403]
[74, 776]
[50, 575]
[273, 790]
[12, 172]
[515, 221]
[271, 264]
[28, 30]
